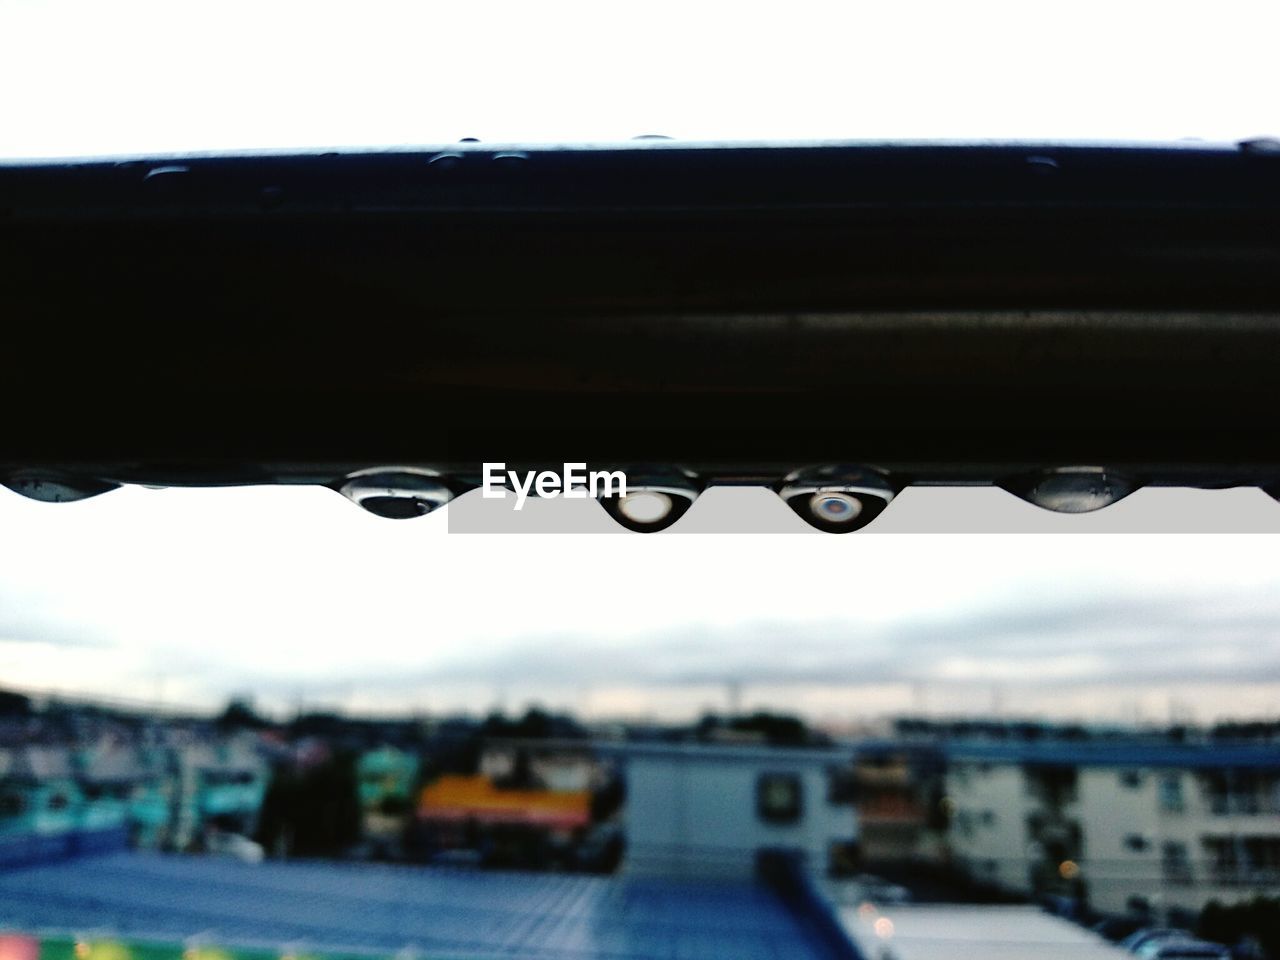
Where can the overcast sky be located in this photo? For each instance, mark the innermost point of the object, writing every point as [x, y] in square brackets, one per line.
[288, 593]
[296, 595]
[88, 76]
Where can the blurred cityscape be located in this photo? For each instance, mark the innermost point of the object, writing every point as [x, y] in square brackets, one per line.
[1112, 828]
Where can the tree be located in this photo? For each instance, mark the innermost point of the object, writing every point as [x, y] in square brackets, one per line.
[14, 704]
[240, 715]
[315, 811]
[1258, 919]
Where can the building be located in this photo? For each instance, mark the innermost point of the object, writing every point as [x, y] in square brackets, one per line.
[898, 789]
[218, 784]
[1153, 828]
[501, 825]
[61, 801]
[697, 810]
[40, 804]
[112, 780]
[151, 805]
[386, 778]
[57, 802]
[558, 765]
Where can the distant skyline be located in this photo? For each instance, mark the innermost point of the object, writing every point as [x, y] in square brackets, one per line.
[294, 595]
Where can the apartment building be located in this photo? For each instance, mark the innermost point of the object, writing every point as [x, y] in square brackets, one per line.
[1153, 828]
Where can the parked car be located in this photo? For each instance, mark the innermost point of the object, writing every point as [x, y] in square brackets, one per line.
[1180, 949]
[1140, 938]
[220, 843]
[1116, 929]
[868, 887]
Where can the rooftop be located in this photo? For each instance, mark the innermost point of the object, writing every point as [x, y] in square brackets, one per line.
[360, 907]
[461, 798]
[1119, 754]
[749, 753]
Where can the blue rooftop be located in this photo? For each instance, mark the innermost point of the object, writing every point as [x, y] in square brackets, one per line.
[388, 908]
[1121, 754]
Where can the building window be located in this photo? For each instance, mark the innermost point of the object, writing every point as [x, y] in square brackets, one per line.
[1250, 860]
[1262, 859]
[1236, 792]
[1053, 786]
[1223, 859]
[1131, 779]
[1135, 843]
[12, 805]
[842, 858]
[842, 785]
[1216, 791]
[779, 798]
[1175, 863]
[1171, 800]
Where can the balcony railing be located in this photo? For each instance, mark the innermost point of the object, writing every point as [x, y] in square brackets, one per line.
[1231, 875]
[1237, 804]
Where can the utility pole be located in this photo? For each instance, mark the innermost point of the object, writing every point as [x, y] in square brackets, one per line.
[733, 688]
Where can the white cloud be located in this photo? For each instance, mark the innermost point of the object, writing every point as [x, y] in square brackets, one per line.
[292, 591]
